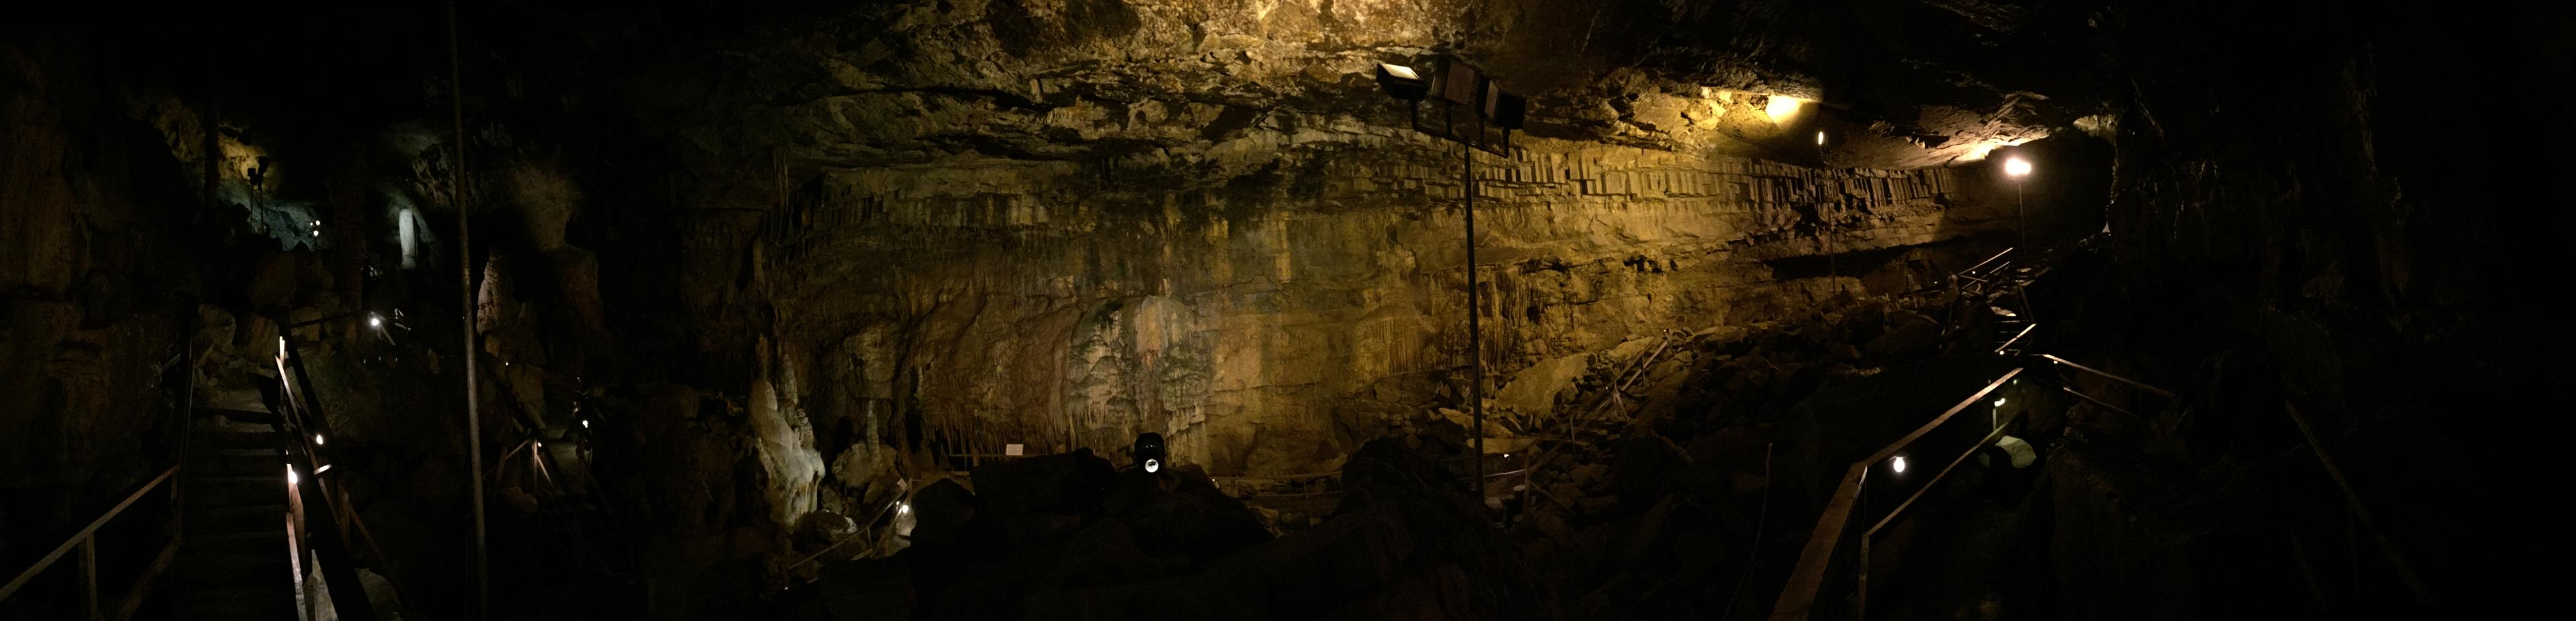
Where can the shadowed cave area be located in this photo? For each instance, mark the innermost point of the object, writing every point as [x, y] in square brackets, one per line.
[1277, 309]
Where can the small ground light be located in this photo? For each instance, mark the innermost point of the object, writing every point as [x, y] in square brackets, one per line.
[585, 424]
[1820, 139]
[317, 439]
[1898, 464]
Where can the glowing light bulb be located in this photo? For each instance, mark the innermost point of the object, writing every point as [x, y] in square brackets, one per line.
[2017, 167]
[585, 424]
[903, 508]
[281, 347]
[1781, 107]
[1820, 139]
[1898, 464]
[317, 439]
[290, 475]
[1153, 465]
[375, 321]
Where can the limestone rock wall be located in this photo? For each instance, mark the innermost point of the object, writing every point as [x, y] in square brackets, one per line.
[1063, 224]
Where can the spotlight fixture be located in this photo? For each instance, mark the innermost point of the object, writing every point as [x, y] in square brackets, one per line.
[1781, 107]
[1402, 82]
[1505, 110]
[1462, 84]
[1149, 452]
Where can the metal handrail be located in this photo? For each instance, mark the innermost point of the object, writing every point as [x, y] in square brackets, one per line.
[2142, 385]
[1808, 577]
[87, 541]
[2008, 343]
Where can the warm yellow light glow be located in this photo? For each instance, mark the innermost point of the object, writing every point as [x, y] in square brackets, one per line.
[1898, 464]
[1820, 139]
[1781, 107]
[2017, 167]
[290, 475]
[317, 439]
[1400, 71]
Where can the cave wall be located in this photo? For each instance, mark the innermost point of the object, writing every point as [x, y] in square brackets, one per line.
[969, 225]
[96, 288]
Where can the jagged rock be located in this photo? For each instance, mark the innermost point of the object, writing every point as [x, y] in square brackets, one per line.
[942, 510]
[1062, 483]
[1645, 466]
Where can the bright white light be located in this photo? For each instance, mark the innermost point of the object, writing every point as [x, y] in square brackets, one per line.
[1820, 139]
[1781, 107]
[1999, 402]
[375, 321]
[1153, 465]
[2017, 167]
[585, 424]
[281, 347]
[1400, 71]
[323, 469]
[1898, 464]
[317, 439]
[290, 475]
[903, 508]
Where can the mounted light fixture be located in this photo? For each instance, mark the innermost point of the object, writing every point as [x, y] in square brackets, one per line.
[1402, 82]
[2017, 167]
[1462, 84]
[1820, 139]
[1149, 452]
[1488, 107]
[1781, 107]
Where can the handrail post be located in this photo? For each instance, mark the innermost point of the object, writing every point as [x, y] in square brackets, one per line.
[89, 575]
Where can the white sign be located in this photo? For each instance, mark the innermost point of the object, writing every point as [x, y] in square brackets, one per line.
[1011, 449]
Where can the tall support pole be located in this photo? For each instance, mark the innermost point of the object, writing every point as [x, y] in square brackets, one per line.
[2021, 219]
[465, 282]
[1475, 333]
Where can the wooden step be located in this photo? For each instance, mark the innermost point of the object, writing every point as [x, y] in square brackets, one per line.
[215, 518]
[266, 601]
[238, 439]
[237, 542]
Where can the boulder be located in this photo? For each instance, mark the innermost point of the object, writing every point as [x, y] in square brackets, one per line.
[1645, 467]
[1068, 483]
[941, 511]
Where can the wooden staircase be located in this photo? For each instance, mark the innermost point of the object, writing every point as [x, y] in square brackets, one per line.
[235, 560]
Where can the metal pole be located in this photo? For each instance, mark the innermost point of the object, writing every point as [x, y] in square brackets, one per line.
[1475, 333]
[2021, 220]
[465, 283]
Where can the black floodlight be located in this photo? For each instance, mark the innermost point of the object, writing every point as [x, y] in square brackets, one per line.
[1462, 84]
[1505, 110]
[1149, 452]
[1402, 82]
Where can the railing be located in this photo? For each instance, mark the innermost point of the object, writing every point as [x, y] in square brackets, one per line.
[1798, 599]
[87, 542]
[301, 416]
